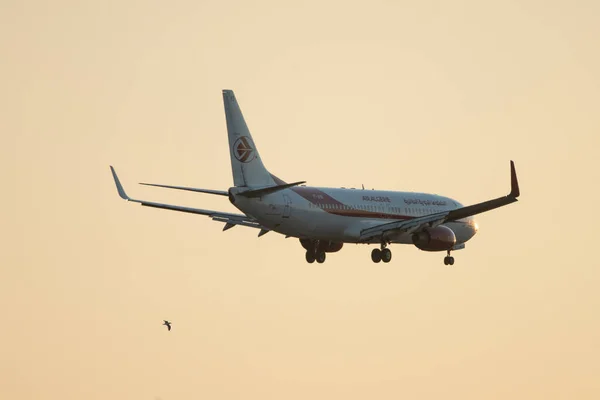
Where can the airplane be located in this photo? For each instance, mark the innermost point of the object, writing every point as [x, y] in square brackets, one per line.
[324, 219]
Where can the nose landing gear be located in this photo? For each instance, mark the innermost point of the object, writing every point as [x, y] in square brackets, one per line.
[448, 260]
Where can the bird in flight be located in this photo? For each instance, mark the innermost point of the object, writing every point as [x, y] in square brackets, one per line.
[168, 324]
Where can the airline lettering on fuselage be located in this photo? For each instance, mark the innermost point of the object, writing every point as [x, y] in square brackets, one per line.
[377, 198]
[425, 202]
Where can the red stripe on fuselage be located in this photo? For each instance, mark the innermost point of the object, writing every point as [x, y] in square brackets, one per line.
[320, 198]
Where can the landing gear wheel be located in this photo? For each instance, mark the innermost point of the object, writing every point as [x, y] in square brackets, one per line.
[376, 255]
[320, 257]
[386, 255]
[448, 260]
[310, 256]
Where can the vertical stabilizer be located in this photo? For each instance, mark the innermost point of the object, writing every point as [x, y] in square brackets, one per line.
[246, 164]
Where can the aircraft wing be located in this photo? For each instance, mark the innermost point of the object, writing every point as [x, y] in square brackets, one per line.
[433, 220]
[230, 219]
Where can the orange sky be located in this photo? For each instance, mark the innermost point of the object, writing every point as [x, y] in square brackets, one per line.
[420, 96]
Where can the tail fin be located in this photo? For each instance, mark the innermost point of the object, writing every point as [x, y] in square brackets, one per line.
[246, 165]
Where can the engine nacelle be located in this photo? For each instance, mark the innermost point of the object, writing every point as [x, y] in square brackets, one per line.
[440, 238]
[324, 245]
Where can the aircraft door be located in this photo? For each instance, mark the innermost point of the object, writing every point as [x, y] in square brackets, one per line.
[287, 208]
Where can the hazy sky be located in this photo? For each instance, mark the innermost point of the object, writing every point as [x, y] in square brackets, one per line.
[421, 96]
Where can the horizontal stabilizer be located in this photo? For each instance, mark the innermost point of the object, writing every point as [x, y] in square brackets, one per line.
[263, 231]
[269, 190]
[209, 191]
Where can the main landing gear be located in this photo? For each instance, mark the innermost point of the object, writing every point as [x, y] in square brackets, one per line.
[313, 255]
[448, 260]
[384, 254]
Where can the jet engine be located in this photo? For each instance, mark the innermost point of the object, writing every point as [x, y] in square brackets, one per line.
[440, 238]
[323, 245]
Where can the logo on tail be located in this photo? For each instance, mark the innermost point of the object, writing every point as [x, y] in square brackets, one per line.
[243, 149]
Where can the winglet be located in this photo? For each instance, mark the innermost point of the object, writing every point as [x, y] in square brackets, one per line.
[119, 186]
[514, 183]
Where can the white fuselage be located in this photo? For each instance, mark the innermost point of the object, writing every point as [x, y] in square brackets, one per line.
[339, 215]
